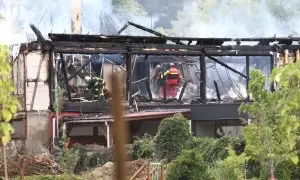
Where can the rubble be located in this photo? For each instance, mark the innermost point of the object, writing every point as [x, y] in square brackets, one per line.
[30, 165]
[106, 172]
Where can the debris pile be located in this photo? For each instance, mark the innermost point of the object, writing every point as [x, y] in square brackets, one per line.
[30, 165]
[106, 172]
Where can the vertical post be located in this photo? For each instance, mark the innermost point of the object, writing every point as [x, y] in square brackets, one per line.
[162, 171]
[194, 129]
[248, 76]
[128, 78]
[65, 75]
[297, 55]
[286, 57]
[202, 79]
[107, 134]
[76, 17]
[165, 88]
[120, 127]
[182, 91]
[51, 77]
[272, 64]
[217, 91]
[148, 171]
[148, 89]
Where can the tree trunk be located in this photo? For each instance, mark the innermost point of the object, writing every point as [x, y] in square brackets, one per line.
[4, 161]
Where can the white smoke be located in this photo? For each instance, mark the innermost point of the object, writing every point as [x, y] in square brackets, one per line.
[55, 16]
[244, 18]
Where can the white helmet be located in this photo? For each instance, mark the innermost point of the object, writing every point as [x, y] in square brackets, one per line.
[172, 65]
[87, 78]
[158, 66]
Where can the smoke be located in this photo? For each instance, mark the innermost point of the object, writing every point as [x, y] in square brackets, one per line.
[55, 16]
[244, 18]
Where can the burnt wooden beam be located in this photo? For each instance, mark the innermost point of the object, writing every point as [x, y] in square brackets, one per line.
[38, 33]
[78, 70]
[182, 91]
[217, 91]
[65, 73]
[226, 66]
[128, 64]
[248, 76]
[122, 29]
[177, 41]
[79, 50]
[202, 79]
[164, 88]
[272, 65]
[148, 90]
[146, 29]
[144, 45]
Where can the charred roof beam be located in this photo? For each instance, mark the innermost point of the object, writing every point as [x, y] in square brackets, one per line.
[38, 34]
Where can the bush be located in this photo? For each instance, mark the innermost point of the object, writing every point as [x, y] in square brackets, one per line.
[232, 168]
[188, 165]
[173, 134]
[143, 147]
[283, 171]
[213, 150]
[89, 160]
[52, 177]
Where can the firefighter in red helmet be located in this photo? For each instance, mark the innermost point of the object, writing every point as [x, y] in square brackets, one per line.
[173, 78]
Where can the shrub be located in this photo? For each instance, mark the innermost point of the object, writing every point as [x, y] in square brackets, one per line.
[143, 147]
[232, 168]
[213, 150]
[53, 177]
[173, 133]
[188, 165]
[89, 160]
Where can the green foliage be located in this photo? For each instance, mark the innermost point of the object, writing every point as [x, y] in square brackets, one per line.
[59, 99]
[89, 160]
[271, 138]
[69, 160]
[213, 150]
[124, 7]
[52, 177]
[8, 103]
[143, 147]
[232, 168]
[173, 134]
[188, 165]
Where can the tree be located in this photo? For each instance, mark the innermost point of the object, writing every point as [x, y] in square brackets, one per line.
[125, 7]
[271, 138]
[188, 165]
[173, 134]
[231, 168]
[8, 103]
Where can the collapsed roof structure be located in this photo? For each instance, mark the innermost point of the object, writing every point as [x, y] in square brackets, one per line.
[73, 56]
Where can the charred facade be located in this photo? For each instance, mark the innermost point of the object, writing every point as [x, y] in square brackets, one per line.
[215, 75]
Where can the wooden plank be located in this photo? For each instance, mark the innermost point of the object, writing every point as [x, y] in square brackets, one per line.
[120, 128]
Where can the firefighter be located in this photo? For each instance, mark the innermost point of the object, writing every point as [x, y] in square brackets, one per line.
[158, 80]
[173, 78]
[96, 87]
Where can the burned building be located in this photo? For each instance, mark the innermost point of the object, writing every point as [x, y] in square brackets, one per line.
[51, 75]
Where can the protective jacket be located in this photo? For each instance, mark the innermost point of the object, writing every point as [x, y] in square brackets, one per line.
[96, 85]
[173, 76]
